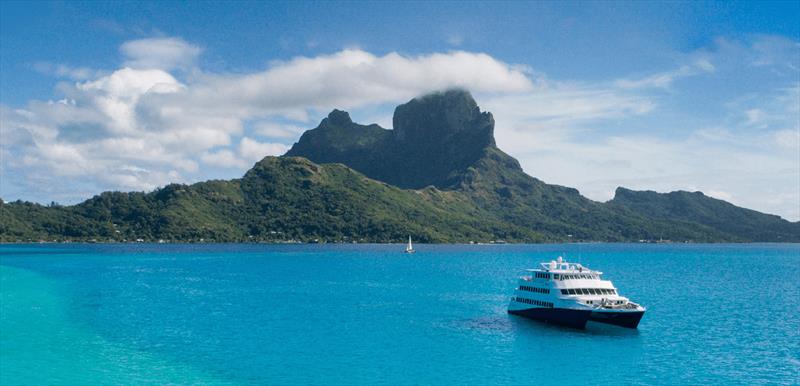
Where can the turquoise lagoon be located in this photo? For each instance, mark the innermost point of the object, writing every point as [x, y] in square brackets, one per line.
[369, 314]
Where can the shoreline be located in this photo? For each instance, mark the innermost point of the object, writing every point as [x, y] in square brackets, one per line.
[149, 243]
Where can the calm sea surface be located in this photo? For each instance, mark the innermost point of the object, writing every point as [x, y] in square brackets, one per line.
[369, 314]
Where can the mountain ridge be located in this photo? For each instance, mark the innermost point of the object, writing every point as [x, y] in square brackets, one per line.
[437, 175]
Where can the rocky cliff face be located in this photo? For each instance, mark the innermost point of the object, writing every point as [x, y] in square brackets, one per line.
[436, 138]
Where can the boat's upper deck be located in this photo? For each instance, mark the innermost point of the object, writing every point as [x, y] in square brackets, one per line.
[561, 266]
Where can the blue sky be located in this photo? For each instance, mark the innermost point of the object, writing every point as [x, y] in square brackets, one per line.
[663, 96]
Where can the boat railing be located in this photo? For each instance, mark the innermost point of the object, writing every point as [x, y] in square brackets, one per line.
[608, 305]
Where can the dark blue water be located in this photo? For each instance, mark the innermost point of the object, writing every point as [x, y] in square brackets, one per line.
[367, 314]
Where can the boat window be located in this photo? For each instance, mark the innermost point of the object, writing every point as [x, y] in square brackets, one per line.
[593, 291]
[571, 291]
[563, 292]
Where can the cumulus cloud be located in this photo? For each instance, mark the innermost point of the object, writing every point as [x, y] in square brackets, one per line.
[253, 150]
[352, 78]
[159, 53]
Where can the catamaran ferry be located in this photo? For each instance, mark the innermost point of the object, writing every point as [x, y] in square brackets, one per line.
[571, 294]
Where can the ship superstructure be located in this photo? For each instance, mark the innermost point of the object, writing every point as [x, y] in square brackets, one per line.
[572, 295]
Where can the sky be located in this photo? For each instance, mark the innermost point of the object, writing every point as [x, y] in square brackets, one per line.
[657, 96]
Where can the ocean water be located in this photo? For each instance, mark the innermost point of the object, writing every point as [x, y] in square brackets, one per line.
[369, 314]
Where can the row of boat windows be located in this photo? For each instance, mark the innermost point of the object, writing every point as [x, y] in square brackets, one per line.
[534, 289]
[614, 302]
[535, 302]
[575, 277]
[563, 276]
[588, 291]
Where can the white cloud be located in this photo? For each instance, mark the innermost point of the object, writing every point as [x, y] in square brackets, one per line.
[253, 150]
[665, 79]
[278, 130]
[563, 104]
[351, 78]
[159, 53]
[65, 71]
[117, 95]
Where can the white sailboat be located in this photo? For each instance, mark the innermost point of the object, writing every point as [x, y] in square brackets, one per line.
[409, 247]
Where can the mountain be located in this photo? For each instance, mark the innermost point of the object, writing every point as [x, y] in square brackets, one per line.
[444, 140]
[279, 199]
[438, 175]
[697, 208]
[436, 138]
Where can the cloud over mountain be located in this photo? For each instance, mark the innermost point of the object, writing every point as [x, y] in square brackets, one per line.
[139, 127]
